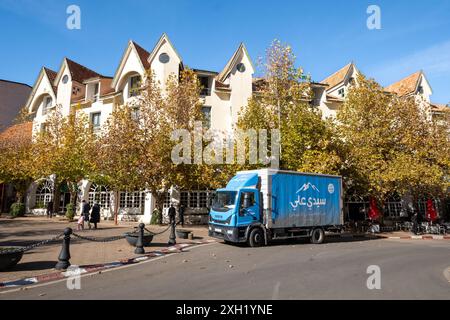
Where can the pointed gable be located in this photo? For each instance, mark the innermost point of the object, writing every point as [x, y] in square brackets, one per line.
[143, 55]
[45, 83]
[51, 75]
[163, 40]
[237, 56]
[338, 77]
[140, 62]
[407, 85]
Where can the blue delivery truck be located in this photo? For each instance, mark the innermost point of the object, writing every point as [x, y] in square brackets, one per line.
[258, 206]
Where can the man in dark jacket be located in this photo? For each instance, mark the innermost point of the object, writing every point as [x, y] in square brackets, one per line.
[181, 215]
[50, 209]
[95, 215]
[85, 208]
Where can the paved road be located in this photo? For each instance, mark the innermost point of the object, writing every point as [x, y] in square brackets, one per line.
[409, 270]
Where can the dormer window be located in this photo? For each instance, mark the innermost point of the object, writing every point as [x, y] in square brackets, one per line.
[47, 104]
[420, 90]
[134, 86]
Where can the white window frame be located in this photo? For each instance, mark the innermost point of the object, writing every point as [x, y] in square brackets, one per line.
[93, 116]
[46, 105]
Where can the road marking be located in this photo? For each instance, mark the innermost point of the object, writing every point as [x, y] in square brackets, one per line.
[276, 291]
[447, 274]
[29, 287]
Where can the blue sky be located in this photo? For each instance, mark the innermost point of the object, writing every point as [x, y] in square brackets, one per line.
[325, 35]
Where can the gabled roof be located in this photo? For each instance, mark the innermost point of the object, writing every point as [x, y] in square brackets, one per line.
[339, 76]
[77, 71]
[80, 73]
[51, 75]
[164, 38]
[142, 54]
[407, 85]
[439, 107]
[232, 62]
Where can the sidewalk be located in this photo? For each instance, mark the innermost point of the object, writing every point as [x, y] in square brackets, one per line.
[410, 236]
[41, 260]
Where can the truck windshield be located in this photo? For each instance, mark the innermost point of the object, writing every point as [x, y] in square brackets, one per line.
[224, 201]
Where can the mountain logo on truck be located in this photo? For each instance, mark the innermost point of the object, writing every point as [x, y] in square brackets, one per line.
[309, 202]
[307, 186]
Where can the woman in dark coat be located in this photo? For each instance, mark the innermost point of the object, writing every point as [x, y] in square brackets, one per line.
[95, 214]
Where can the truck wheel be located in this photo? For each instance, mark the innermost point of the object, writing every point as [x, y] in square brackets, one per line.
[317, 236]
[256, 238]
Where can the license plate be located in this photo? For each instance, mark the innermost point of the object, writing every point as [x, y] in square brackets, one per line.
[218, 230]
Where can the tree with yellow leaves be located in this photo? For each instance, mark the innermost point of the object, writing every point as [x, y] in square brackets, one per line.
[393, 147]
[282, 101]
[16, 160]
[62, 149]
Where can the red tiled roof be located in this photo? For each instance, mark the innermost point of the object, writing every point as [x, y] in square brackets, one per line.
[105, 86]
[337, 77]
[80, 73]
[439, 107]
[405, 86]
[51, 77]
[17, 132]
[143, 55]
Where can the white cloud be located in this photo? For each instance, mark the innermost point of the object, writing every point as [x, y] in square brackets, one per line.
[434, 61]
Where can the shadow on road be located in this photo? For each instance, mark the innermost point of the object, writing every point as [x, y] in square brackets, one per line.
[32, 266]
[328, 239]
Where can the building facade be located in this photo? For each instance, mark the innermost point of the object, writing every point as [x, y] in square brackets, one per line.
[224, 94]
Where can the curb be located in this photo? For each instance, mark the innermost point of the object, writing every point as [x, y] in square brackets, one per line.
[87, 269]
[428, 237]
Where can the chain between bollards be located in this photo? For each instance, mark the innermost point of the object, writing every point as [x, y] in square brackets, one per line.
[64, 256]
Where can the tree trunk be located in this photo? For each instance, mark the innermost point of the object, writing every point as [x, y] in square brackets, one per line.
[116, 207]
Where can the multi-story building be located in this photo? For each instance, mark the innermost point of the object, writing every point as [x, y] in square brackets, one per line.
[223, 95]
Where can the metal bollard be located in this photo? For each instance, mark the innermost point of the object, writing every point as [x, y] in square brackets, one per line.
[64, 255]
[140, 241]
[172, 237]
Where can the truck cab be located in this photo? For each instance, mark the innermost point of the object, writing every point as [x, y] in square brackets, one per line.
[236, 208]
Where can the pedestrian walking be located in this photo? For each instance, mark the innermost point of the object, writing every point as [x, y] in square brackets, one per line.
[95, 214]
[85, 208]
[50, 209]
[181, 214]
[172, 213]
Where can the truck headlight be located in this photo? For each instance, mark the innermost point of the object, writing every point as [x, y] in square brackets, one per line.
[230, 231]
